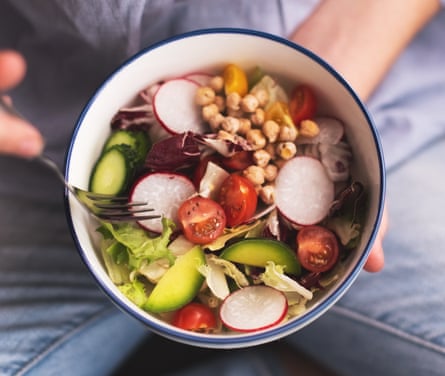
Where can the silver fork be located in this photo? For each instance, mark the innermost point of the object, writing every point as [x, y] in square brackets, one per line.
[104, 207]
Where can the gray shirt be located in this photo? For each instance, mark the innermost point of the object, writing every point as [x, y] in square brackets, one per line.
[71, 46]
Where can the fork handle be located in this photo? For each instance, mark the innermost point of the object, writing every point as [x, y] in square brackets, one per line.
[9, 109]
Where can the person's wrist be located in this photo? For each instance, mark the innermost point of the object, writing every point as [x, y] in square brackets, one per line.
[362, 39]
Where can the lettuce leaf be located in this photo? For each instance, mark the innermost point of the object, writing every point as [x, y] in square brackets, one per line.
[233, 232]
[135, 244]
[215, 271]
[274, 276]
[135, 292]
[115, 259]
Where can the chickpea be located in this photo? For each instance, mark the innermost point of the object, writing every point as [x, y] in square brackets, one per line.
[286, 150]
[215, 121]
[223, 135]
[256, 138]
[249, 103]
[270, 172]
[287, 133]
[261, 158]
[309, 128]
[271, 130]
[244, 126]
[209, 111]
[258, 117]
[220, 102]
[233, 101]
[230, 124]
[267, 194]
[255, 174]
[217, 83]
[263, 97]
[204, 96]
[270, 148]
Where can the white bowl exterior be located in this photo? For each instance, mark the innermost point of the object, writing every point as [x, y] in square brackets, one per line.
[209, 51]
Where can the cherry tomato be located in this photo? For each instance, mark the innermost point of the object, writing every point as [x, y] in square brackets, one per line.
[195, 317]
[235, 80]
[238, 198]
[239, 161]
[202, 219]
[302, 104]
[317, 248]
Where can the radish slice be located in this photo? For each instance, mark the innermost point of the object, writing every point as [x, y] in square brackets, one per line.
[201, 78]
[164, 192]
[304, 192]
[175, 108]
[253, 308]
[331, 132]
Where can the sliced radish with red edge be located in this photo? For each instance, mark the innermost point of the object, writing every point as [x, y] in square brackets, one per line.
[331, 132]
[201, 78]
[253, 308]
[164, 192]
[175, 108]
[304, 191]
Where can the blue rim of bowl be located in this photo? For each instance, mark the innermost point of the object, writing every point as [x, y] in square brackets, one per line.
[255, 338]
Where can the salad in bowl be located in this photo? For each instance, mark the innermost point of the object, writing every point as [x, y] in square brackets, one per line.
[262, 208]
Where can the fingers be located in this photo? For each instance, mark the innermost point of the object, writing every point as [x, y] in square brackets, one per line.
[17, 137]
[12, 69]
[376, 259]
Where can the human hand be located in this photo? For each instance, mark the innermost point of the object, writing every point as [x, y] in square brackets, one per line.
[376, 259]
[17, 137]
[356, 38]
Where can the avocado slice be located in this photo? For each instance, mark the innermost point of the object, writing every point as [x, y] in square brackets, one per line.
[179, 285]
[257, 252]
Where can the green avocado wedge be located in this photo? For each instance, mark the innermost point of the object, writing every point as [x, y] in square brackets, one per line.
[179, 285]
[257, 252]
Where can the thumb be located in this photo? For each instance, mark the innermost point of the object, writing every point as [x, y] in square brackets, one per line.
[18, 137]
[12, 69]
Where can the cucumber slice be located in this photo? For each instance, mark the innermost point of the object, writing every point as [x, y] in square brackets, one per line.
[257, 252]
[139, 141]
[179, 285]
[113, 170]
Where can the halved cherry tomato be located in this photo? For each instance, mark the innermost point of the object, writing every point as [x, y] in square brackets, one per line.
[238, 161]
[317, 248]
[238, 198]
[302, 104]
[235, 80]
[202, 219]
[195, 317]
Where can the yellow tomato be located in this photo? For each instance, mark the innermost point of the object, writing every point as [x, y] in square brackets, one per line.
[279, 112]
[235, 80]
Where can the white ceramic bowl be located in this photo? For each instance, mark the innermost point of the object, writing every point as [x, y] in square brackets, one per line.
[210, 50]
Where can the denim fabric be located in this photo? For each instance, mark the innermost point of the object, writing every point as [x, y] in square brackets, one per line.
[54, 320]
[393, 323]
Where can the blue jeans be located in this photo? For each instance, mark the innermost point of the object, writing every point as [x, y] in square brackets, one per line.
[393, 323]
[57, 322]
